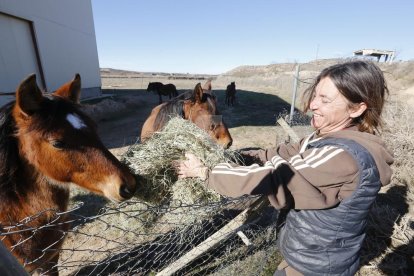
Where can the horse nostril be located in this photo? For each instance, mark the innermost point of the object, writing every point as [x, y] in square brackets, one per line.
[229, 144]
[126, 192]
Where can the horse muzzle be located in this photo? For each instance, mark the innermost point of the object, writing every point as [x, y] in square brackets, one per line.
[126, 192]
[226, 143]
[128, 188]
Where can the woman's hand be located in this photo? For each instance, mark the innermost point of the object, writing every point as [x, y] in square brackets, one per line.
[191, 167]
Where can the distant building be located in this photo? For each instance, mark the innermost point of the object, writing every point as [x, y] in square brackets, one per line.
[54, 39]
[388, 55]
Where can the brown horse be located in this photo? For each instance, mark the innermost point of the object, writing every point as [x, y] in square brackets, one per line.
[196, 106]
[162, 89]
[231, 94]
[46, 145]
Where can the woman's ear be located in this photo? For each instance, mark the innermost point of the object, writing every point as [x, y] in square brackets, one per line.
[357, 110]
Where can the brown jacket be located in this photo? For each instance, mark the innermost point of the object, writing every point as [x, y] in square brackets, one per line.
[297, 177]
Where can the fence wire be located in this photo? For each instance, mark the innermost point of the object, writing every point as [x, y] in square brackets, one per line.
[137, 238]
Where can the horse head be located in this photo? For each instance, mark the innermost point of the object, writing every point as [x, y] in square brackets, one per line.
[60, 143]
[154, 87]
[201, 109]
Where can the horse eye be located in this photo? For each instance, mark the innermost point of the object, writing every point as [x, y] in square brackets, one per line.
[212, 126]
[58, 144]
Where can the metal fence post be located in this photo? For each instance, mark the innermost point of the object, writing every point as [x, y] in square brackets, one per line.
[295, 88]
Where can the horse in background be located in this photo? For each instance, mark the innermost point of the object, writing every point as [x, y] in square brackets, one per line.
[196, 106]
[46, 145]
[231, 94]
[162, 90]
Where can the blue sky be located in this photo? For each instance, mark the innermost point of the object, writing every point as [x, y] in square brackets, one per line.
[214, 36]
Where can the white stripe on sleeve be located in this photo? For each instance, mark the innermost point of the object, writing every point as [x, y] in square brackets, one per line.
[317, 162]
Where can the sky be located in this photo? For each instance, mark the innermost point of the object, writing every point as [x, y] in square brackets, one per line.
[215, 36]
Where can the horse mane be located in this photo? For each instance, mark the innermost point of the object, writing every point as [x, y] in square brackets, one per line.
[175, 107]
[9, 152]
[171, 108]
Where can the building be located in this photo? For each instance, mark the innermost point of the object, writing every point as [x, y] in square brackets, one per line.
[54, 39]
[388, 55]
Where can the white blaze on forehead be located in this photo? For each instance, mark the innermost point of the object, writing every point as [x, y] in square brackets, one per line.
[75, 121]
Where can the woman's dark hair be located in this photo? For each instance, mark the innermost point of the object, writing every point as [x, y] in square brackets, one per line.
[358, 81]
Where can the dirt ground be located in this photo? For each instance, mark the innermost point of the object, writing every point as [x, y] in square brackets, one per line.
[120, 117]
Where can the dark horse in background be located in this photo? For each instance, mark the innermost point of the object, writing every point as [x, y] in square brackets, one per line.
[231, 94]
[46, 145]
[197, 106]
[162, 89]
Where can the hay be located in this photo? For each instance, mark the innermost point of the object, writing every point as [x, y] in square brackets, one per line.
[153, 161]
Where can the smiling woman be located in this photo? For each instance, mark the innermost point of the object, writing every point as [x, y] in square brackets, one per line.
[328, 181]
[347, 95]
[331, 110]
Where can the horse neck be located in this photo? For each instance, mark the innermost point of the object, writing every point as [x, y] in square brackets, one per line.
[188, 111]
[30, 185]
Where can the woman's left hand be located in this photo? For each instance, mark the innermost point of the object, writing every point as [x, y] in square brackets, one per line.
[191, 167]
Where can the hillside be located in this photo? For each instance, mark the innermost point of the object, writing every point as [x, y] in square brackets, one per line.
[278, 77]
[273, 79]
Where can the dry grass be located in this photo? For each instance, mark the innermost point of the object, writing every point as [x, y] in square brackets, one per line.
[153, 161]
[389, 246]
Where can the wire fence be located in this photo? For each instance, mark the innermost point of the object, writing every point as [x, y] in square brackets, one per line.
[137, 238]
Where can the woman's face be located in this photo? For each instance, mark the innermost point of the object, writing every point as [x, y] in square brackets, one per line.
[330, 108]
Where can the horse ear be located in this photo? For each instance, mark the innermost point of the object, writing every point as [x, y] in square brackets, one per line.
[207, 85]
[70, 90]
[28, 95]
[198, 93]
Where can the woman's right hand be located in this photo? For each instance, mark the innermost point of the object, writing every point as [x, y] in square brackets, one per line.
[191, 167]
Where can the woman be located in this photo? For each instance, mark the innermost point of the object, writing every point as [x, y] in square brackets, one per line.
[328, 181]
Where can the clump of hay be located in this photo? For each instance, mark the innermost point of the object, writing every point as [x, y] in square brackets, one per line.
[153, 160]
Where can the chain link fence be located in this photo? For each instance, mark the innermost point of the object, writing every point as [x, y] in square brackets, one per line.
[137, 238]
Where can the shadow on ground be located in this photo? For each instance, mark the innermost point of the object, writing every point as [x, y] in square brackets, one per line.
[253, 108]
[390, 208]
